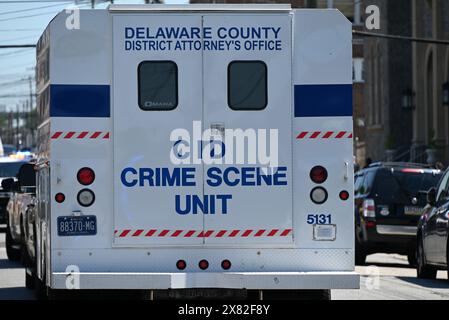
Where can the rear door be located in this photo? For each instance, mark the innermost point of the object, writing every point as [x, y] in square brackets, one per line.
[156, 89]
[247, 94]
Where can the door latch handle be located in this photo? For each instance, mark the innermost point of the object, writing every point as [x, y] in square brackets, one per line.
[346, 175]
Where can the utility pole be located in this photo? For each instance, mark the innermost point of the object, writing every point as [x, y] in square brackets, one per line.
[31, 92]
[17, 127]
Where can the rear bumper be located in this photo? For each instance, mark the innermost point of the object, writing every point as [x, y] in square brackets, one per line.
[390, 239]
[409, 231]
[228, 280]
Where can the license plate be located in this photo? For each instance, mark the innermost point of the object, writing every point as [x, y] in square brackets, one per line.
[77, 226]
[413, 211]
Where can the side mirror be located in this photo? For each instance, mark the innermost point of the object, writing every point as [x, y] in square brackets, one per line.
[432, 196]
[8, 184]
[27, 175]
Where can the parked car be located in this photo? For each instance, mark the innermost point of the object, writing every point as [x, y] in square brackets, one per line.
[8, 169]
[23, 192]
[389, 198]
[433, 228]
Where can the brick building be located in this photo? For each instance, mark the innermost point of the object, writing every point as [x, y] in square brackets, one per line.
[430, 19]
[388, 76]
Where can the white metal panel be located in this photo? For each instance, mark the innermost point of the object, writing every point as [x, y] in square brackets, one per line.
[322, 41]
[216, 7]
[252, 207]
[81, 56]
[243, 260]
[142, 138]
[230, 280]
[323, 58]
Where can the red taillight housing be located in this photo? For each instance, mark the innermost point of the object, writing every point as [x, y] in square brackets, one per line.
[59, 197]
[318, 174]
[369, 208]
[204, 264]
[181, 264]
[344, 195]
[226, 264]
[85, 176]
[370, 224]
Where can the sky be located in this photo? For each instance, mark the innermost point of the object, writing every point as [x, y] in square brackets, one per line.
[22, 22]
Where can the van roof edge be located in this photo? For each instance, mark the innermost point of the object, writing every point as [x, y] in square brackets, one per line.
[199, 7]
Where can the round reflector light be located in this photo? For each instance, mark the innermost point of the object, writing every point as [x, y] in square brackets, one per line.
[226, 264]
[318, 174]
[318, 195]
[344, 195]
[85, 176]
[181, 264]
[204, 264]
[59, 197]
[86, 197]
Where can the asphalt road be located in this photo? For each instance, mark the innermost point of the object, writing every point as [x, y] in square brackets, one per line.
[385, 277]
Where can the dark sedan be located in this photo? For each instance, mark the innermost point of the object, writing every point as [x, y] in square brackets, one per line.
[433, 229]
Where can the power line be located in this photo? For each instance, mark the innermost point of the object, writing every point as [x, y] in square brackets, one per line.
[397, 37]
[8, 83]
[11, 46]
[29, 16]
[19, 38]
[14, 52]
[35, 8]
[17, 95]
[20, 30]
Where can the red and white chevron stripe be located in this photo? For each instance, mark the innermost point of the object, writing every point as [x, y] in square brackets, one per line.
[80, 135]
[245, 233]
[324, 135]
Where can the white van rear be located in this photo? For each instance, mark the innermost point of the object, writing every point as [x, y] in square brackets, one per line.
[196, 147]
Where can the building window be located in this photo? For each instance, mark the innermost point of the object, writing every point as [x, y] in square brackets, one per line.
[158, 85]
[357, 70]
[247, 85]
[347, 7]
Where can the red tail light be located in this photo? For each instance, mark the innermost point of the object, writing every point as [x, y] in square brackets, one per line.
[369, 208]
[370, 224]
[318, 174]
[204, 264]
[181, 264]
[85, 176]
[226, 264]
[344, 195]
[59, 197]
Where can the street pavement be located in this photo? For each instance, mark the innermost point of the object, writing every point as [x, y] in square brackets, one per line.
[385, 277]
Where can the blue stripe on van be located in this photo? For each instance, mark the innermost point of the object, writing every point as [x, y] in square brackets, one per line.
[328, 100]
[79, 100]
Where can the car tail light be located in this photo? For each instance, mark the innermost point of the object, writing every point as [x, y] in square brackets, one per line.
[181, 264]
[59, 197]
[318, 174]
[86, 197]
[369, 208]
[204, 264]
[318, 195]
[226, 264]
[344, 195]
[85, 176]
[370, 224]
